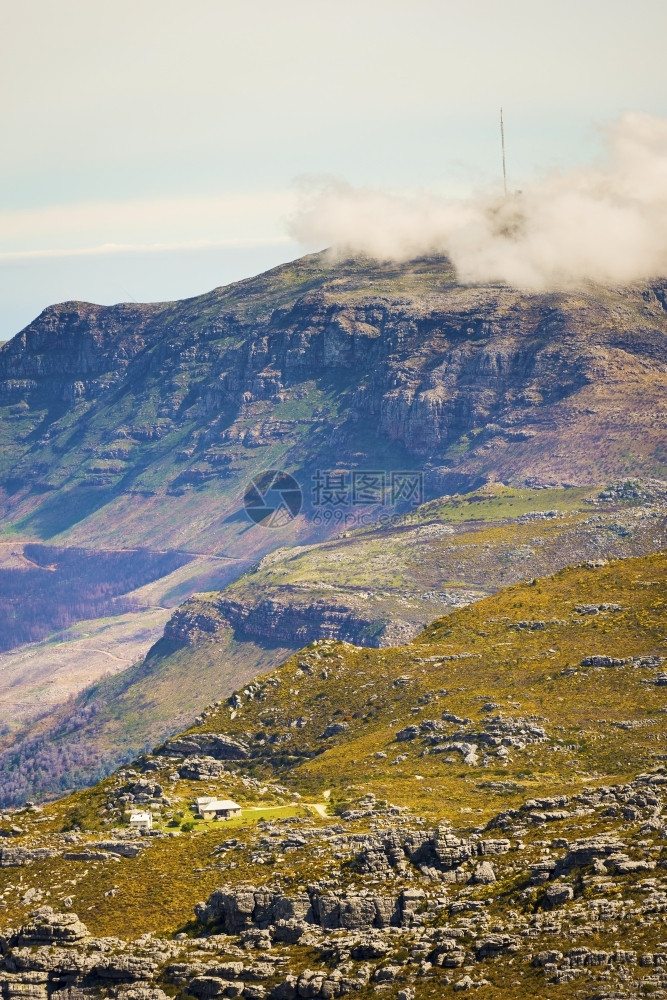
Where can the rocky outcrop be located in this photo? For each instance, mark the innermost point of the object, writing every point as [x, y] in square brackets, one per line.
[201, 769]
[72, 344]
[194, 620]
[498, 736]
[18, 857]
[432, 927]
[49, 927]
[295, 624]
[216, 745]
[236, 910]
[439, 854]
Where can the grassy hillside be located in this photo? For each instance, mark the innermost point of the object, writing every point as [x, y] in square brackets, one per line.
[535, 715]
[521, 648]
[377, 587]
[120, 715]
[446, 553]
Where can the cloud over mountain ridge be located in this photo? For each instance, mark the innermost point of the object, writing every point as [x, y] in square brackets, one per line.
[605, 222]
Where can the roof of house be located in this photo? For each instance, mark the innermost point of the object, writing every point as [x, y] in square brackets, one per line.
[210, 803]
[140, 815]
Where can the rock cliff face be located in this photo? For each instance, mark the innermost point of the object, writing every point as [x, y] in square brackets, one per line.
[276, 621]
[315, 366]
[72, 345]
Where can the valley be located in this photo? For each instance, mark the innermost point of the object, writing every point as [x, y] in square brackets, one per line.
[374, 587]
[49, 592]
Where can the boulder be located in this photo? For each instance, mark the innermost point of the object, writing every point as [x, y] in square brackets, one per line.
[356, 912]
[123, 848]
[557, 894]
[409, 733]
[289, 931]
[495, 944]
[208, 986]
[216, 745]
[125, 967]
[285, 990]
[333, 729]
[48, 927]
[201, 769]
[141, 991]
[483, 874]
[45, 958]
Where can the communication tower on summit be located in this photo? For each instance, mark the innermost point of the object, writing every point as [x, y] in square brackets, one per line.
[502, 143]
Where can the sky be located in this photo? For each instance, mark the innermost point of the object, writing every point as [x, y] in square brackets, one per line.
[154, 150]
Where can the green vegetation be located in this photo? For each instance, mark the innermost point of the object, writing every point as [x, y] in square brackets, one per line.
[330, 732]
[447, 552]
[528, 672]
[604, 725]
[112, 721]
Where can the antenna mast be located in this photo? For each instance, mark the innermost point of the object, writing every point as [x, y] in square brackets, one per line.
[502, 143]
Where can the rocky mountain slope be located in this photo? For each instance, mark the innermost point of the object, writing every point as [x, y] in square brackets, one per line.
[132, 424]
[480, 809]
[381, 585]
[373, 587]
[139, 428]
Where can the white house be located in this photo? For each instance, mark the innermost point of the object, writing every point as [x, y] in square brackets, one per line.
[141, 820]
[210, 807]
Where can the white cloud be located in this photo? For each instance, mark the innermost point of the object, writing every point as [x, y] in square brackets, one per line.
[173, 222]
[606, 223]
[105, 249]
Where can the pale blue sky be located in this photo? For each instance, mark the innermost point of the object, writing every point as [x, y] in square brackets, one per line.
[179, 132]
